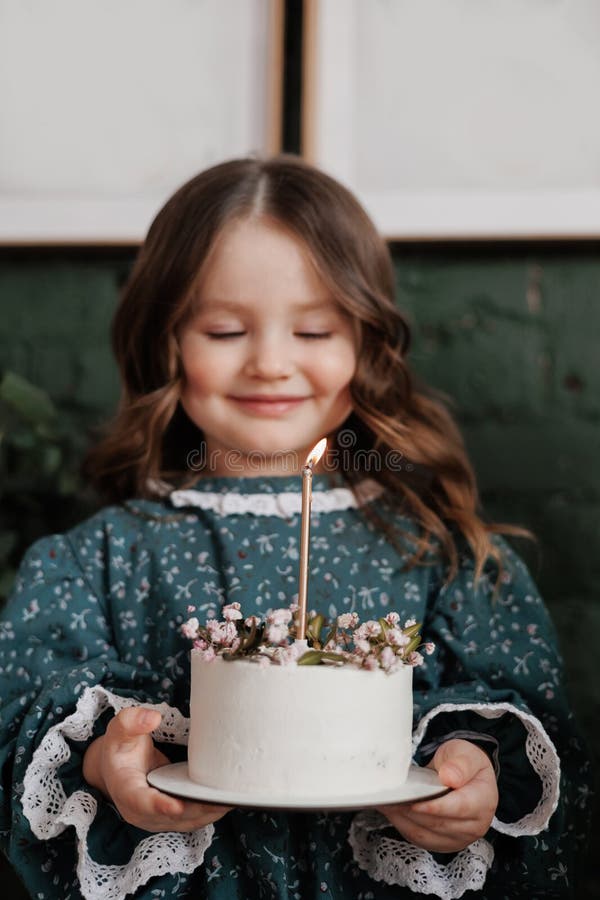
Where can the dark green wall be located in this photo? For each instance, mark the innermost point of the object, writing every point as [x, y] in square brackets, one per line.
[509, 332]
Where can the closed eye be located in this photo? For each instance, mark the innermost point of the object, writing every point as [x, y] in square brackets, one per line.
[221, 335]
[313, 335]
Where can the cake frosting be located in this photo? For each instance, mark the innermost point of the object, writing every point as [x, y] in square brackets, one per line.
[298, 730]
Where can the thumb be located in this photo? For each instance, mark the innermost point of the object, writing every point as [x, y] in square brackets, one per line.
[454, 763]
[132, 722]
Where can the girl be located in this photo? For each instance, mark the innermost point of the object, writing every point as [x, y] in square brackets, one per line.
[258, 318]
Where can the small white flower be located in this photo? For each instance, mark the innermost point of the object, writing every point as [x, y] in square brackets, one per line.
[189, 629]
[231, 612]
[348, 620]
[397, 638]
[279, 617]
[277, 634]
[387, 658]
[288, 656]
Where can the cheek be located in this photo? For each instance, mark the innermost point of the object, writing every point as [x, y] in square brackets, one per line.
[196, 382]
[335, 371]
[203, 371]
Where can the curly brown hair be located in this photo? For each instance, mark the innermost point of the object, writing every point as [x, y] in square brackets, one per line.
[150, 437]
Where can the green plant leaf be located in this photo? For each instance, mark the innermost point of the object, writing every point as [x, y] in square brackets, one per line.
[314, 627]
[412, 645]
[51, 459]
[316, 657]
[29, 401]
[384, 627]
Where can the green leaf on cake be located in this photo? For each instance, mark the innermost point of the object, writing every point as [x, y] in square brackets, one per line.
[316, 657]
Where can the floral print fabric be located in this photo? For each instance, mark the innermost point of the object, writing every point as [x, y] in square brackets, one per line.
[103, 605]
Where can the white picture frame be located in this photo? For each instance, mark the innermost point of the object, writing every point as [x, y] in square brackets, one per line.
[107, 106]
[457, 119]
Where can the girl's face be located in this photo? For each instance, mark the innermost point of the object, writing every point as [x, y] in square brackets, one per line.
[267, 355]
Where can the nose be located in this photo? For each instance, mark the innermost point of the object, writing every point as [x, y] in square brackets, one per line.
[269, 357]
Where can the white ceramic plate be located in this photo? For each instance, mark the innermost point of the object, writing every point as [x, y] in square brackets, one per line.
[173, 779]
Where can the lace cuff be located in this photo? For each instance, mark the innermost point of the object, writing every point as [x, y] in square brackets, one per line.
[396, 861]
[399, 862]
[541, 754]
[49, 811]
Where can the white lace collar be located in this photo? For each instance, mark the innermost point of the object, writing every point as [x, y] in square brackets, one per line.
[282, 505]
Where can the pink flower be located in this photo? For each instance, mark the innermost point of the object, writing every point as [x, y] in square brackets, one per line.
[231, 612]
[221, 632]
[279, 617]
[362, 646]
[361, 633]
[209, 654]
[392, 618]
[397, 638]
[373, 628]
[370, 663]
[252, 620]
[277, 634]
[189, 629]
[214, 630]
[331, 646]
[348, 620]
[200, 644]
[191, 609]
[230, 632]
[410, 622]
[415, 659]
[387, 658]
[288, 655]
[429, 647]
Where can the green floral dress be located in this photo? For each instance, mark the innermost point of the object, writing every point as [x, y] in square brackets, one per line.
[93, 626]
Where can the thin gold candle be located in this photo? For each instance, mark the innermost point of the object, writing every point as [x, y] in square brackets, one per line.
[307, 473]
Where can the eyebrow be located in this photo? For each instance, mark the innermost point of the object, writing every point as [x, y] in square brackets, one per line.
[231, 305]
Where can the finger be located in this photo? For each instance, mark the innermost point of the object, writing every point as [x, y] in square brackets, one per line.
[445, 837]
[458, 762]
[172, 814]
[138, 801]
[147, 803]
[462, 803]
[194, 812]
[129, 724]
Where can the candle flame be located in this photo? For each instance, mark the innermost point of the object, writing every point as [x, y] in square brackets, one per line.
[316, 453]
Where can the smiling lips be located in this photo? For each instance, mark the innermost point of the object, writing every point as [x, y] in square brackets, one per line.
[269, 404]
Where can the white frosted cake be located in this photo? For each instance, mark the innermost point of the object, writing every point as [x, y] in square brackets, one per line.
[286, 730]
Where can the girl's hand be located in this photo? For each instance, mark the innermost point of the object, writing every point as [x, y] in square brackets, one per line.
[454, 821]
[117, 763]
